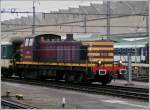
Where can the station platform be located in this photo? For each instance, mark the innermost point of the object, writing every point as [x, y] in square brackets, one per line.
[125, 83]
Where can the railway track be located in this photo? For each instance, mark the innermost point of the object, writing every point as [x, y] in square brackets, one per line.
[120, 91]
[14, 105]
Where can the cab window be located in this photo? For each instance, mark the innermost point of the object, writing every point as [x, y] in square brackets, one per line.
[26, 42]
[3, 51]
[31, 42]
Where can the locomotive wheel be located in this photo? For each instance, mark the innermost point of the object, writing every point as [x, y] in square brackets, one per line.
[42, 78]
[58, 76]
[19, 73]
[7, 73]
[23, 74]
[104, 82]
[110, 78]
[72, 78]
[79, 78]
[66, 78]
[76, 79]
[69, 78]
[89, 81]
[40, 75]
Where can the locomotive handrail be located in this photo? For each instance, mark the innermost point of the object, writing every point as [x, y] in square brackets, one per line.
[55, 64]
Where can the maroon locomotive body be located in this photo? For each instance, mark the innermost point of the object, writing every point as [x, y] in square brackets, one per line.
[51, 50]
[48, 56]
[40, 48]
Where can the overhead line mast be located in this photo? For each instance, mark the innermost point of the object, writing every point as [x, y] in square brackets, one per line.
[108, 19]
[147, 19]
[33, 25]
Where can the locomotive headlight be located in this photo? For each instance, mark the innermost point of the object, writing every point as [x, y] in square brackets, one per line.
[99, 62]
[120, 61]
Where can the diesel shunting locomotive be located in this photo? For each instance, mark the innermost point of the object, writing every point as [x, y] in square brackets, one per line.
[48, 56]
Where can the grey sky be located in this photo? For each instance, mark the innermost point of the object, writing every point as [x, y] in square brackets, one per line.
[45, 6]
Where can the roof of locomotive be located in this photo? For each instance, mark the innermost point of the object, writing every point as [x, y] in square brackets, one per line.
[104, 40]
[38, 36]
[52, 36]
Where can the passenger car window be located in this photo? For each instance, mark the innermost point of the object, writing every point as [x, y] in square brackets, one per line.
[4, 51]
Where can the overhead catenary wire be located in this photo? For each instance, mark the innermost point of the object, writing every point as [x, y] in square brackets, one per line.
[75, 25]
[29, 12]
[58, 24]
[125, 35]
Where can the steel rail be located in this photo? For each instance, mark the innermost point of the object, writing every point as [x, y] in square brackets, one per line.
[120, 91]
[14, 105]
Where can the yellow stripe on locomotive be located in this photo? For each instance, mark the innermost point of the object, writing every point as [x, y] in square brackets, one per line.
[97, 43]
[100, 51]
[98, 54]
[101, 59]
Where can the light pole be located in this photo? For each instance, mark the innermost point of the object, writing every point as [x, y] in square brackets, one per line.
[135, 51]
[129, 70]
[137, 30]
